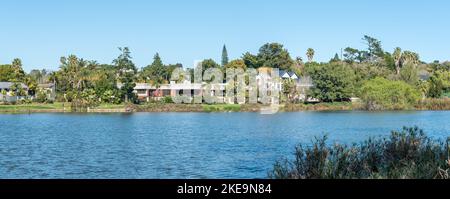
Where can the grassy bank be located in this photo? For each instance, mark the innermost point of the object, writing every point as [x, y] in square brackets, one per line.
[408, 154]
[434, 104]
[56, 107]
[427, 104]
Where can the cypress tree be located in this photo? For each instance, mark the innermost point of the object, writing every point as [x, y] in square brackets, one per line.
[224, 56]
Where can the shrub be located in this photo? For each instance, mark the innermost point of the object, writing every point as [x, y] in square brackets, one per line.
[408, 154]
[380, 93]
[167, 100]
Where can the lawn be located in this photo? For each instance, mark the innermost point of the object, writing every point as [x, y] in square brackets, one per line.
[222, 108]
[30, 107]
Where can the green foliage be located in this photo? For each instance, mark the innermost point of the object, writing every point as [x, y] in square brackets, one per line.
[208, 64]
[250, 60]
[273, 55]
[351, 55]
[224, 56]
[335, 58]
[332, 82]
[374, 48]
[167, 100]
[380, 93]
[439, 83]
[6, 73]
[289, 90]
[310, 54]
[12, 72]
[126, 70]
[407, 154]
[41, 96]
[238, 63]
[157, 73]
[410, 74]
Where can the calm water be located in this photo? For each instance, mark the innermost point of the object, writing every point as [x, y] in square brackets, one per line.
[181, 145]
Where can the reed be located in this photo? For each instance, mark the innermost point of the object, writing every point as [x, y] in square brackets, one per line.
[407, 154]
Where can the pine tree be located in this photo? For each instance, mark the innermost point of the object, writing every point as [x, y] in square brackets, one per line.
[224, 56]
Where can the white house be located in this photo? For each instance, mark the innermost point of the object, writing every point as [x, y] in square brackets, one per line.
[6, 87]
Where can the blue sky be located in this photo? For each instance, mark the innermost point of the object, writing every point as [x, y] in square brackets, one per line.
[39, 32]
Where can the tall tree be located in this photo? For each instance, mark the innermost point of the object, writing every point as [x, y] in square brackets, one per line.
[332, 82]
[19, 74]
[374, 48]
[156, 72]
[274, 55]
[397, 55]
[310, 54]
[251, 61]
[126, 70]
[224, 56]
[335, 58]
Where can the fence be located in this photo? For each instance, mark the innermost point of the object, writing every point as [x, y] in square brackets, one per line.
[10, 99]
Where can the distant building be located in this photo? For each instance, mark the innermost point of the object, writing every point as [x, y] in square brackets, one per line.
[49, 89]
[8, 87]
[147, 92]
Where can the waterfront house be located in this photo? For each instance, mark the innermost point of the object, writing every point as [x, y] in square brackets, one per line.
[147, 91]
[49, 89]
[7, 94]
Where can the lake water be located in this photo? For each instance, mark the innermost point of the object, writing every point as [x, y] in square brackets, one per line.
[181, 145]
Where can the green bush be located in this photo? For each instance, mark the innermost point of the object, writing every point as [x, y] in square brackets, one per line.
[380, 94]
[167, 100]
[408, 154]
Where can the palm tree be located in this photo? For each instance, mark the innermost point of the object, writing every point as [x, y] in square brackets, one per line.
[410, 57]
[310, 54]
[397, 55]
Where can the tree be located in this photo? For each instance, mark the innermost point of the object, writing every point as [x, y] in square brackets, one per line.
[335, 58]
[224, 56]
[310, 54]
[209, 63]
[289, 89]
[126, 70]
[410, 74]
[19, 74]
[238, 63]
[275, 56]
[7, 73]
[409, 57]
[438, 83]
[404, 58]
[332, 82]
[351, 55]
[250, 60]
[397, 55]
[380, 93]
[374, 48]
[156, 72]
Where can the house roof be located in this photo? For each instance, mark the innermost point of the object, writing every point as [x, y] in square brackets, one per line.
[7, 85]
[293, 75]
[50, 85]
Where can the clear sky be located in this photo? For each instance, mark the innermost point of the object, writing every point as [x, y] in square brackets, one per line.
[40, 32]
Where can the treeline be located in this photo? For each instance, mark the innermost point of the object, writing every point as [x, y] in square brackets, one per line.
[382, 79]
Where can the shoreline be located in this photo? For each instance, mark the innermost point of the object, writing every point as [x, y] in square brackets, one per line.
[202, 108]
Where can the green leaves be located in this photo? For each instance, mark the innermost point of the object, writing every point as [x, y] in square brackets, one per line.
[332, 82]
[380, 94]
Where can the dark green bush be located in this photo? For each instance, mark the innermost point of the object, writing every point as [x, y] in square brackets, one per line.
[408, 154]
